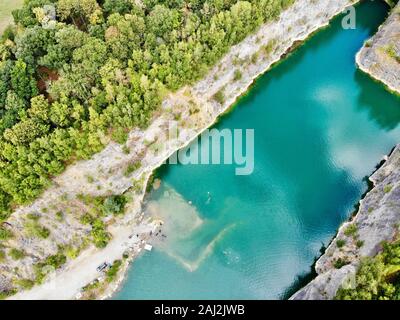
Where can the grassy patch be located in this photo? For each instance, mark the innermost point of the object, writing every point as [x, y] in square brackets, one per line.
[131, 168]
[351, 230]
[16, 254]
[35, 229]
[219, 97]
[339, 263]
[6, 7]
[5, 234]
[387, 188]
[113, 271]
[238, 75]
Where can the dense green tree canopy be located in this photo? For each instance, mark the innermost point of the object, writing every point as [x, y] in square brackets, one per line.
[67, 79]
[378, 278]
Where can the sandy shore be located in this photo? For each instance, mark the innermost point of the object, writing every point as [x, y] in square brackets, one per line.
[295, 24]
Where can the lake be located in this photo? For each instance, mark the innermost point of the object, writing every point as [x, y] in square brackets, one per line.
[321, 126]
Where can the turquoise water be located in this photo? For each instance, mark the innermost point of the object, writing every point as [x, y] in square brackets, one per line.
[321, 127]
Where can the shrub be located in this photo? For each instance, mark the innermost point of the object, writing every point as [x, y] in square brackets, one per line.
[56, 261]
[120, 135]
[219, 97]
[359, 243]
[8, 293]
[35, 229]
[132, 167]
[112, 272]
[59, 216]
[126, 150]
[2, 255]
[351, 230]
[25, 284]
[339, 263]
[268, 48]
[340, 243]
[238, 75]
[254, 58]
[387, 188]
[100, 234]
[71, 252]
[114, 205]
[33, 216]
[16, 254]
[5, 234]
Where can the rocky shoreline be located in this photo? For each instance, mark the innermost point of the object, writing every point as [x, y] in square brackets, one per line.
[105, 173]
[376, 221]
[378, 216]
[380, 56]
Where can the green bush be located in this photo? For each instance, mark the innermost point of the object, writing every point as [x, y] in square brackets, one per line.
[113, 271]
[16, 254]
[35, 229]
[359, 243]
[56, 261]
[238, 75]
[25, 284]
[219, 97]
[340, 262]
[114, 205]
[351, 230]
[377, 278]
[120, 135]
[131, 168]
[59, 216]
[8, 293]
[99, 234]
[5, 234]
[387, 188]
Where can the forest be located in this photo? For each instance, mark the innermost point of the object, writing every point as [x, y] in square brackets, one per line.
[378, 278]
[76, 73]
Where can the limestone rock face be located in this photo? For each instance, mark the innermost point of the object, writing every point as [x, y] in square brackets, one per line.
[380, 56]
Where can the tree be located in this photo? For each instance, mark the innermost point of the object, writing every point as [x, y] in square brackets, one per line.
[124, 34]
[114, 205]
[162, 21]
[105, 69]
[25, 16]
[22, 81]
[67, 39]
[39, 109]
[25, 131]
[117, 6]
[33, 44]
